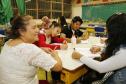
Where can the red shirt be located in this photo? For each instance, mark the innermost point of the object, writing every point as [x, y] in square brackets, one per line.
[42, 42]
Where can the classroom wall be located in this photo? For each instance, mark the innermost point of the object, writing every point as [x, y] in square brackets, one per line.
[96, 12]
[76, 9]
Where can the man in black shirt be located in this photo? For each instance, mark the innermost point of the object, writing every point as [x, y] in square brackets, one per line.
[73, 29]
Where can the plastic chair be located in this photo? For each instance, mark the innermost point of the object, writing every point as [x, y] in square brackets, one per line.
[99, 31]
[2, 32]
[90, 30]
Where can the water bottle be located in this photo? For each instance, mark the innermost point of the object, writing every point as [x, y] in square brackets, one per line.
[73, 41]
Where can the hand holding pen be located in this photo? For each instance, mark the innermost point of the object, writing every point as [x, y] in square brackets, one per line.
[64, 45]
[54, 52]
[65, 42]
[76, 55]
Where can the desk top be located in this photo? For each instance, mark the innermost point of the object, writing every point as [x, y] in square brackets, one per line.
[66, 55]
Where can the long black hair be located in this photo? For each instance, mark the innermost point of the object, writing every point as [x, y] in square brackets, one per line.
[63, 21]
[54, 25]
[116, 28]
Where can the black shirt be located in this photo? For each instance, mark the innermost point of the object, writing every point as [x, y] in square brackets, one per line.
[68, 31]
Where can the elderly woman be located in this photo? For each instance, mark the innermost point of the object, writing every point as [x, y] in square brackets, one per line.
[20, 58]
[115, 51]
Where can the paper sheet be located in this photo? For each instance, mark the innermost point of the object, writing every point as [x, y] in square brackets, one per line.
[87, 52]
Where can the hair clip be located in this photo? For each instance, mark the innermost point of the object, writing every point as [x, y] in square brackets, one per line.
[119, 13]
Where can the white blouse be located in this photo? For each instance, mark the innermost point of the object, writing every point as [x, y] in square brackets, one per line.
[113, 63]
[18, 64]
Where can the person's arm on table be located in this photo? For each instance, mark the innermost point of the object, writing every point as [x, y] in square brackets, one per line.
[107, 65]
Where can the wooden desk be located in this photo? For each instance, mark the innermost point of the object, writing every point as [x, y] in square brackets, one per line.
[70, 76]
[73, 69]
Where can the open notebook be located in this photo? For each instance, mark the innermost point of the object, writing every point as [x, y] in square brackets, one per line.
[87, 52]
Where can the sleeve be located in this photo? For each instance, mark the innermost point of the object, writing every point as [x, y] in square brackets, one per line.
[68, 32]
[65, 28]
[80, 33]
[37, 57]
[113, 63]
[57, 40]
[42, 43]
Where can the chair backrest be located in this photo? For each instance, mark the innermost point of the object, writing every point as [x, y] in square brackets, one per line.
[99, 31]
[90, 30]
[2, 31]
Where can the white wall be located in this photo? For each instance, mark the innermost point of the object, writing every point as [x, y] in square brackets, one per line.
[76, 10]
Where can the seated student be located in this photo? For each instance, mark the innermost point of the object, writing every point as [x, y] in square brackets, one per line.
[45, 24]
[73, 29]
[114, 53]
[50, 36]
[19, 58]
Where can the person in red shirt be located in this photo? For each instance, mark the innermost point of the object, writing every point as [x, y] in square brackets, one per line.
[46, 39]
[50, 36]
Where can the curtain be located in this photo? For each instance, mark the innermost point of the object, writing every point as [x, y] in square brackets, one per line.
[21, 6]
[6, 11]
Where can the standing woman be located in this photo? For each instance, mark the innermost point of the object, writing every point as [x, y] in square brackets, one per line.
[115, 52]
[20, 58]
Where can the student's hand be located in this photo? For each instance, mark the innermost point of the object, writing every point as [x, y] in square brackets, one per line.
[103, 39]
[68, 40]
[47, 50]
[64, 42]
[54, 53]
[85, 35]
[76, 55]
[62, 35]
[64, 46]
[78, 40]
[95, 49]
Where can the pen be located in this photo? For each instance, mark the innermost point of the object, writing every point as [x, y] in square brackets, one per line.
[65, 42]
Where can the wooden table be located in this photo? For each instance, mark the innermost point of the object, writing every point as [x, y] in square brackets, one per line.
[70, 76]
[74, 69]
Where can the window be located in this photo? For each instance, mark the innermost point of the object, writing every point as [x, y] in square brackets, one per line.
[50, 8]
